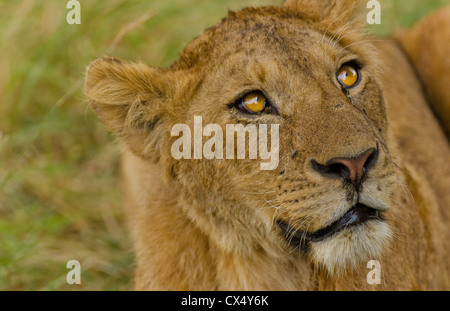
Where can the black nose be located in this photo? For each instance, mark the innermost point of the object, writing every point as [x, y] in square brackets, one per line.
[352, 170]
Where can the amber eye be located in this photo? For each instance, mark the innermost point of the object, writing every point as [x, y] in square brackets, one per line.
[348, 75]
[253, 102]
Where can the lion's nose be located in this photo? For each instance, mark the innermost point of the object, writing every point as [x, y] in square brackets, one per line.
[352, 170]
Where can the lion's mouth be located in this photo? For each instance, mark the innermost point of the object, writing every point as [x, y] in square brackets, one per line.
[357, 215]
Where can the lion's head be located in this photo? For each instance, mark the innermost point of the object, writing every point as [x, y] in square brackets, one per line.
[307, 67]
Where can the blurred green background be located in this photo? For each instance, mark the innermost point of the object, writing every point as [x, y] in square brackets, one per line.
[59, 180]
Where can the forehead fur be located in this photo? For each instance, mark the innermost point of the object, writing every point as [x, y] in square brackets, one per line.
[240, 30]
[237, 29]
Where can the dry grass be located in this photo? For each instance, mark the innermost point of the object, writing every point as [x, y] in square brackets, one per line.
[59, 183]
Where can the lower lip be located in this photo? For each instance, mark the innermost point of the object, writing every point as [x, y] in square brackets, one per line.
[357, 215]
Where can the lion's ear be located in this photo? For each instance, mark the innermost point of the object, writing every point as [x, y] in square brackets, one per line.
[131, 100]
[332, 13]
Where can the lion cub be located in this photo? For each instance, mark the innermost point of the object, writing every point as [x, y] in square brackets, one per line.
[362, 172]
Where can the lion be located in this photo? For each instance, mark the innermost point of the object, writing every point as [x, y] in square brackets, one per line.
[363, 174]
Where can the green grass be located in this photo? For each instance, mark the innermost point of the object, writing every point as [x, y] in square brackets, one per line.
[59, 180]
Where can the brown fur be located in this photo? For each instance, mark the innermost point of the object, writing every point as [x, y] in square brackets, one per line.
[210, 224]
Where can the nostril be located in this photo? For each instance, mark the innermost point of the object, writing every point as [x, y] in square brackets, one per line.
[371, 160]
[335, 170]
[339, 170]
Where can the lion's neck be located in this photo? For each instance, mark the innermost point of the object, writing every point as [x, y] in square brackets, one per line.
[175, 252]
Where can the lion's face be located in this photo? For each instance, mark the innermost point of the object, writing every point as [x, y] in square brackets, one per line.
[335, 179]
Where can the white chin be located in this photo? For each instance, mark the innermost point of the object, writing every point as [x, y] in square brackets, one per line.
[351, 247]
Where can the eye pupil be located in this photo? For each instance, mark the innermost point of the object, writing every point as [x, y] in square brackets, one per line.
[253, 102]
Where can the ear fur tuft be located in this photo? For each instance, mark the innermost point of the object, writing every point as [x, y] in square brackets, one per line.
[130, 99]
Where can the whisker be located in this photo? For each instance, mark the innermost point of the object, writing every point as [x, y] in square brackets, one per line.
[358, 42]
[326, 30]
[341, 31]
[343, 28]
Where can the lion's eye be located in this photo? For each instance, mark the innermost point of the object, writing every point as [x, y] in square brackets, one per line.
[348, 76]
[253, 102]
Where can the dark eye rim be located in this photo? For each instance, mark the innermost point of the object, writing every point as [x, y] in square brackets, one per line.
[357, 66]
[268, 107]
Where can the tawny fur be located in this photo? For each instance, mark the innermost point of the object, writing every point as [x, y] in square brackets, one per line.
[427, 46]
[211, 224]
